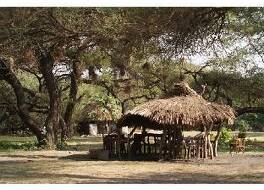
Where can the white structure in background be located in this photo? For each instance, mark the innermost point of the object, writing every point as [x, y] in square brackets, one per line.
[93, 129]
[125, 130]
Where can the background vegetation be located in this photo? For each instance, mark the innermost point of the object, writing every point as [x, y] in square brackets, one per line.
[55, 61]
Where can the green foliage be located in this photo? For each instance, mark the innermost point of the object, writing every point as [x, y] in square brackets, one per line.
[97, 95]
[135, 53]
[255, 121]
[9, 145]
[61, 146]
[242, 125]
[226, 136]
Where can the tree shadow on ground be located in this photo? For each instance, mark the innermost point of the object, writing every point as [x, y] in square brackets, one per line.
[145, 178]
[29, 156]
[79, 157]
[88, 157]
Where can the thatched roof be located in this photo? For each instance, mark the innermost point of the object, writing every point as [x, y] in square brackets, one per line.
[187, 109]
[94, 112]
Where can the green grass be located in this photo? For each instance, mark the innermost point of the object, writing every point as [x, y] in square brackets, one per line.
[250, 147]
[17, 138]
[255, 142]
[11, 143]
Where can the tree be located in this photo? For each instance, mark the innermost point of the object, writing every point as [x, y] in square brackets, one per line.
[42, 36]
[41, 40]
[233, 72]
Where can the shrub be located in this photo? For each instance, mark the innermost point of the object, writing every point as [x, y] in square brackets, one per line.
[7, 145]
[226, 135]
[61, 146]
[243, 127]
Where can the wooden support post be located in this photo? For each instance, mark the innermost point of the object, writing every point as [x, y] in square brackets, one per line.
[209, 141]
[205, 143]
[179, 138]
[119, 143]
[169, 144]
[128, 148]
[202, 149]
[174, 142]
[155, 144]
[143, 136]
[185, 152]
[128, 143]
[148, 145]
[210, 147]
[163, 144]
[216, 142]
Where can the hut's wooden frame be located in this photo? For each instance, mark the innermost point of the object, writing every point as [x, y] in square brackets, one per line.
[169, 138]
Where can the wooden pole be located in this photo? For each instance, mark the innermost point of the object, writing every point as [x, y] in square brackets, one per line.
[118, 143]
[205, 143]
[170, 143]
[179, 142]
[128, 148]
[162, 144]
[216, 142]
[209, 142]
[128, 143]
[143, 136]
[174, 142]
[155, 144]
[210, 147]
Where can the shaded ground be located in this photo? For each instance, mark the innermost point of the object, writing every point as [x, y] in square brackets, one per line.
[75, 167]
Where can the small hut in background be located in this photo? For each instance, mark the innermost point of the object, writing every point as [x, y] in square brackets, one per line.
[94, 120]
[185, 111]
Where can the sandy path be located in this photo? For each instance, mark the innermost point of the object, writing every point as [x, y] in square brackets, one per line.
[75, 167]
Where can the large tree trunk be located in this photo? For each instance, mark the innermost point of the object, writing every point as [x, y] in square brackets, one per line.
[75, 76]
[52, 123]
[9, 76]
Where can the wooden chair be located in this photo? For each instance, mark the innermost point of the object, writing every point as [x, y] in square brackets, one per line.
[237, 145]
[190, 147]
[110, 143]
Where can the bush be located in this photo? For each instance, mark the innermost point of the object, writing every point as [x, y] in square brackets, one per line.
[7, 145]
[243, 127]
[61, 146]
[226, 136]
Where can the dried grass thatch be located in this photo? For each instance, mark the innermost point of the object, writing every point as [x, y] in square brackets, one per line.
[187, 109]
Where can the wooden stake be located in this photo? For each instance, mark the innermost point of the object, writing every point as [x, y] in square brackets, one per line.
[118, 143]
[205, 143]
[210, 147]
[216, 142]
[143, 136]
[162, 144]
[128, 148]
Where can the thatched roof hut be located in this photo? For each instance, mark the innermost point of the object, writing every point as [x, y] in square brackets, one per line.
[94, 112]
[187, 109]
[94, 119]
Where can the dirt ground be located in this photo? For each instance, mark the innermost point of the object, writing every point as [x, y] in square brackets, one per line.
[75, 167]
